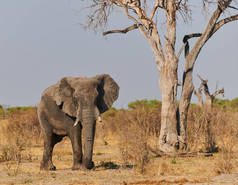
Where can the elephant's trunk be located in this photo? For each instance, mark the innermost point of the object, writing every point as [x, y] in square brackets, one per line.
[89, 123]
[79, 115]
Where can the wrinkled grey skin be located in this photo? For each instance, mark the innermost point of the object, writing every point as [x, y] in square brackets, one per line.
[69, 106]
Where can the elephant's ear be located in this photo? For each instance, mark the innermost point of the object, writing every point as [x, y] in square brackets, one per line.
[64, 97]
[108, 92]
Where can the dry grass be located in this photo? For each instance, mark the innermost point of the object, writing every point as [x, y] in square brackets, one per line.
[135, 129]
[109, 169]
[20, 130]
[213, 131]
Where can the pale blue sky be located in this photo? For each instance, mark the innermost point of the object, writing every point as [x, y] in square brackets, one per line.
[42, 41]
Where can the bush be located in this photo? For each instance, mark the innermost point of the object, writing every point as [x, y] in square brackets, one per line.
[143, 103]
[234, 103]
[14, 110]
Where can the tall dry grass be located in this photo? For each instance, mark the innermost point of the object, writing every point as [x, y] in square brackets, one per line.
[207, 131]
[19, 130]
[137, 129]
[212, 130]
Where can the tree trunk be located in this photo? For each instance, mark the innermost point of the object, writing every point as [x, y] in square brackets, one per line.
[168, 140]
[182, 112]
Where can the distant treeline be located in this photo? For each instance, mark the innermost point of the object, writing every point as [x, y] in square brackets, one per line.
[218, 103]
[10, 110]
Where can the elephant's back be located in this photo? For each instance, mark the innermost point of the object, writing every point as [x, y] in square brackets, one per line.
[50, 91]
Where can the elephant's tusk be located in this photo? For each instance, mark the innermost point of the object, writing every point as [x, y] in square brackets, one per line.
[75, 124]
[99, 118]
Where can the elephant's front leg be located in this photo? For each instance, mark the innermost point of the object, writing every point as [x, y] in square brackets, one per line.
[75, 137]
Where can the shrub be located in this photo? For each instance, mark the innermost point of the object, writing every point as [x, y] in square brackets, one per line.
[234, 103]
[15, 110]
[144, 102]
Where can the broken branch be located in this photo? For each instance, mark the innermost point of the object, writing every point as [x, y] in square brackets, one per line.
[221, 91]
[130, 28]
[186, 44]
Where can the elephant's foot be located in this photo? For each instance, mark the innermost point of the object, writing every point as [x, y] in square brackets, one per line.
[47, 166]
[89, 165]
[83, 167]
[77, 166]
[80, 167]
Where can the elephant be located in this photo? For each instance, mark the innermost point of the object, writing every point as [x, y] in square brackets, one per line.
[67, 107]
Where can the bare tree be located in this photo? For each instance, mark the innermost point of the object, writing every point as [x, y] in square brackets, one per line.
[209, 97]
[173, 117]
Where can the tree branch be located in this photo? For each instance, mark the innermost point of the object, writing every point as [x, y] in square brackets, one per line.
[130, 28]
[130, 17]
[209, 97]
[221, 91]
[223, 22]
[205, 86]
[211, 28]
[154, 9]
[181, 49]
[233, 7]
[138, 24]
[199, 95]
[192, 56]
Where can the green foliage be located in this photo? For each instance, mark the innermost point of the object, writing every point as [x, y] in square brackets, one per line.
[105, 142]
[144, 102]
[234, 103]
[1, 111]
[18, 109]
[12, 110]
[110, 113]
[226, 104]
[173, 161]
[221, 103]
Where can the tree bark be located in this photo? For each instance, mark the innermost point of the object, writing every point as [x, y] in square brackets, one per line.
[168, 139]
[168, 82]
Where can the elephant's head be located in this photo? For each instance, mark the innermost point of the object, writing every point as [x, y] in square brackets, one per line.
[84, 99]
